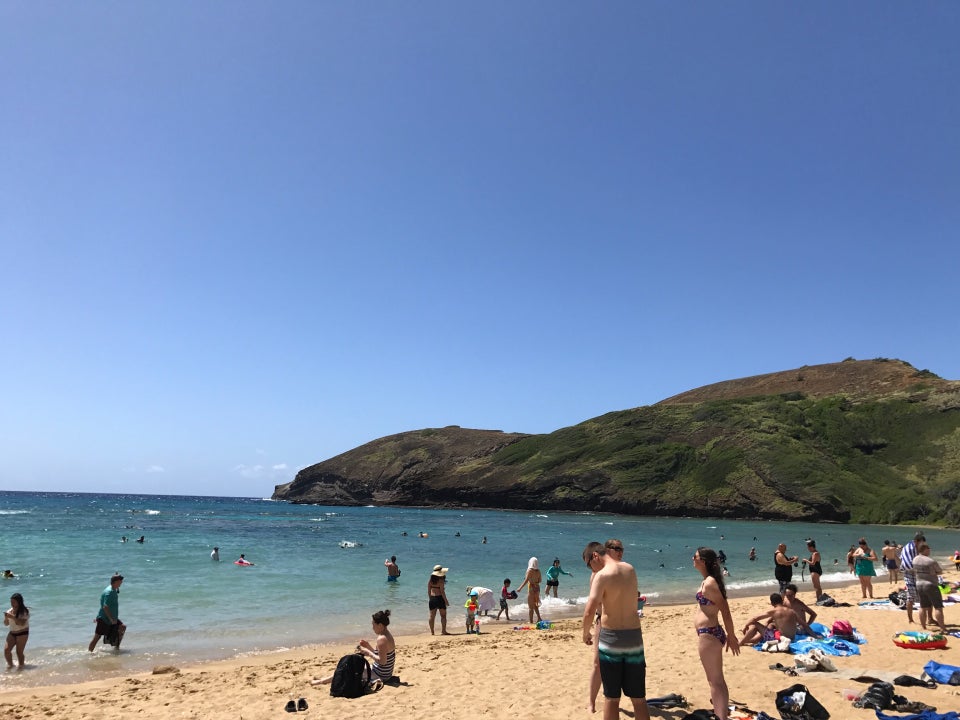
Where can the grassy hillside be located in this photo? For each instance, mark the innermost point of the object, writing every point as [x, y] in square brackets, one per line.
[861, 441]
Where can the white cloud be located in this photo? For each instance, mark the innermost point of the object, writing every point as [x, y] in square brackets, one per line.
[249, 471]
[155, 469]
[281, 466]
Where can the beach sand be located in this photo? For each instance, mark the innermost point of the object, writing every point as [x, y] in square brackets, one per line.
[505, 673]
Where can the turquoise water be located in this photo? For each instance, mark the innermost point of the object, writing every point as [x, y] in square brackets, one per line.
[180, 607]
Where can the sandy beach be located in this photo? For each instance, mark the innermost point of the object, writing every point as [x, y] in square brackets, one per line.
[505, 672]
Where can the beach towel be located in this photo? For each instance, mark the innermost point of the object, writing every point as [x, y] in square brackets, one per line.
[925, 715]
[829, 645]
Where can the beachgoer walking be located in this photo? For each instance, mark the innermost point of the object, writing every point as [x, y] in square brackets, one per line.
[956, 559]
[816, 569]
[437, 598]
[506, 594]
[393, 571]
[907, 555]
[383, 653]
[623, 668]
[532, 581]
[927, 571]
[891, 554]
[109, 625]
[783, 566]
[711, 638]
[17, 618]
[215, 555]
[553, 576]
[863, 559]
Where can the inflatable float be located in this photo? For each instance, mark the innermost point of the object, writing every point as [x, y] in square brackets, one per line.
[919, 640]
[242, 562]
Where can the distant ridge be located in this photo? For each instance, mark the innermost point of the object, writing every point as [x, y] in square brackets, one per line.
[863, 441]
[855, 378]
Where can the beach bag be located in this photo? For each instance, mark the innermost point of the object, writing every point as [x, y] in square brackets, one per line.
[796, 703]
[842, 628]
[351, 677]
[945, 674]
[898, 598]
[879, 696]
[826, 601]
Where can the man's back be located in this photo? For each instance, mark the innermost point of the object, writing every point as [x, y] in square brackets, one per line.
[785, 619]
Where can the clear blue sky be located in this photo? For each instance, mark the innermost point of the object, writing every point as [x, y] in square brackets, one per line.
[239, 238]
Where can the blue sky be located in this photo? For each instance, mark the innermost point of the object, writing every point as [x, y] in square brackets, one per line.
[239, 238]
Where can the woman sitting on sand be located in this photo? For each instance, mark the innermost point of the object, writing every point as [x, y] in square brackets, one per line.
[532, 581]
[711, 638]
[384, 655]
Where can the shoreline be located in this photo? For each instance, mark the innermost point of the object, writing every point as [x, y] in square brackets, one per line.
[520, 673]
[405, 628]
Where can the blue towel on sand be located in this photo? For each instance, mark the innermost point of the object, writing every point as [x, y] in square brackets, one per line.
[925, 715]
[829, 645]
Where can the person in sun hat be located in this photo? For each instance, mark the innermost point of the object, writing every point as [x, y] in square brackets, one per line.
[437, 597]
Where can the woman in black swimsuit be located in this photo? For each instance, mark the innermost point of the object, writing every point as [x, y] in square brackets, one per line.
[815, 568]
[437, 597]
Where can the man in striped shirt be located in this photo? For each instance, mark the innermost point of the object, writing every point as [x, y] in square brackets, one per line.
[907, 555]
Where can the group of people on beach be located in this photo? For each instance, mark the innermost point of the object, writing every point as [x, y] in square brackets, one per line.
[479, 599]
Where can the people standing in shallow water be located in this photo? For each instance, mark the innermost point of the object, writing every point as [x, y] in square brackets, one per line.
[437, 598]
[553, 576]
[863, 559]
[215, 555]
[532, 582]
[393, 570]
[712, 641]
[17, 618]
[816, 569]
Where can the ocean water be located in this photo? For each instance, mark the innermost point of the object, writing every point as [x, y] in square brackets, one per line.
[180, 607]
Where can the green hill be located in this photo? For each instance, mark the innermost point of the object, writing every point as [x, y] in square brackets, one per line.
[857, 441]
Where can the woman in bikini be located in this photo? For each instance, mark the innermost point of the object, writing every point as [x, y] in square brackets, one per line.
[532, 583]
[437, 597]
[711, 638]
[17, 618]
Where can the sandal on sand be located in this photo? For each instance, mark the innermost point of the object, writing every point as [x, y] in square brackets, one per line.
[376, 685]
[291, 706]
[302, 704]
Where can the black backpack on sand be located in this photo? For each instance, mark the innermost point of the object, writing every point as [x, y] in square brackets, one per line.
[351, 678]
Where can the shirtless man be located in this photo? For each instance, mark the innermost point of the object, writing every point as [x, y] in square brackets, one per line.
[393, 572]
[623, 668]
[762, 627]
[805, 614]
[891, 561]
